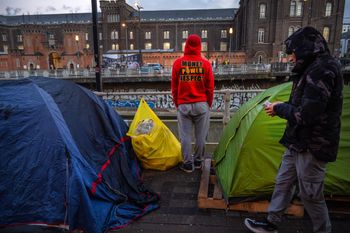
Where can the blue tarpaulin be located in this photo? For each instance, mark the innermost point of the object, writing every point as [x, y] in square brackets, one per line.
[65, 159]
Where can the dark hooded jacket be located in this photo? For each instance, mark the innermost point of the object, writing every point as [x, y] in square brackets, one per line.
[314, 109]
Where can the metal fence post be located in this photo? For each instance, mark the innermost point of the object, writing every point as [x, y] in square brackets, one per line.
[226, 117]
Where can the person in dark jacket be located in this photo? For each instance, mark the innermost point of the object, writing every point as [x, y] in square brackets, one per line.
[312, 133]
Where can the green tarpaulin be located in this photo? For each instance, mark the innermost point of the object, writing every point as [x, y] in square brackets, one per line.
[249, 154]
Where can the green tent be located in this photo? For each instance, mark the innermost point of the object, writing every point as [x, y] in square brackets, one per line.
[249, 154]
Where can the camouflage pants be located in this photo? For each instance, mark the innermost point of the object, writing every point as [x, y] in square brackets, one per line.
[309, 172]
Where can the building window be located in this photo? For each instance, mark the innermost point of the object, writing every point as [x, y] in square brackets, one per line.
[4, 37]
[326, 33]
[132, 47]
[51, 36]
[112, 18]
[114, 35]
[166, 34]
[223, 33]
[131, 35]
[223, 46]
[115, 46]
[262, 11]
[18, 63]
[204, 34]
[296, 8]
[184, 34]
[86, 36]
[261, 35]
[147, 35]
[100, 35]
[204, 46]
[290, 30]
[183, 46]
[20, 47]
[19, 38]
[148, 45]
[328, 11]
[166, 45]
[6, 49]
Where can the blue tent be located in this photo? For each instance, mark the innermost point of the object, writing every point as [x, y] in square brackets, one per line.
[65, 159]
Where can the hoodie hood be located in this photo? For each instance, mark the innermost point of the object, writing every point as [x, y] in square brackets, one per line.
[193, 45]
[306, 43]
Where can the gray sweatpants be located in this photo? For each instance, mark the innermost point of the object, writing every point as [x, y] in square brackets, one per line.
[310, 174]
[189, 115]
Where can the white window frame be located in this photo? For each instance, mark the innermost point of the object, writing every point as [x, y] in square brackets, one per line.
[261, 35]
[326, 33]
[262, 11]
[166, 45]
[223, 46]
[223, 33]
[148, 35]
[184, 34]
[114, 35]
[204, 34]
[328, 10]
[166, 35]
[148, 45]
[204, 45]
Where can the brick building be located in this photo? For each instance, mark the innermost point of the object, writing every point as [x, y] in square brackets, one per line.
[254, 33]
[262, 26]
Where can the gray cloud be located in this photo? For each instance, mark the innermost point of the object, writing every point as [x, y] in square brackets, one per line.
[50, 9]
[13, 11]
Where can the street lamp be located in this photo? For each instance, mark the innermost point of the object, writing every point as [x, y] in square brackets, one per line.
[126, 35]
[77, 42]
[139, 7]
[229, 51]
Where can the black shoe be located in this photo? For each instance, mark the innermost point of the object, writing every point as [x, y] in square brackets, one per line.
[197, 163]
[187, 167]
[260, 226]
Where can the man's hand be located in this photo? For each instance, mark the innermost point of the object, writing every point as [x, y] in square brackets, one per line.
[269, 108]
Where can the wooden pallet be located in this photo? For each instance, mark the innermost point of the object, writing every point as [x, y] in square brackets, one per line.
[216, 200]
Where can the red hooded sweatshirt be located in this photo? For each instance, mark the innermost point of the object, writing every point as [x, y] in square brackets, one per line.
[192, 78]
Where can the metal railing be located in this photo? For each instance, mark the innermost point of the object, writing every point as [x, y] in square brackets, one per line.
[111, 72]
[275, 68]
[225, 103]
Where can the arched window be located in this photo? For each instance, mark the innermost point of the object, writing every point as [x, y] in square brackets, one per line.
[260, 58]
[114, 35]
[326, 33]
[262, 11]
[328, 11]
[290, 30]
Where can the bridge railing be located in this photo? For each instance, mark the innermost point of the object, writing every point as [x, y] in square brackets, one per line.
[109, 72]
[225, 103]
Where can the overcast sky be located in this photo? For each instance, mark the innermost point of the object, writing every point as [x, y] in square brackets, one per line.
[19, 7]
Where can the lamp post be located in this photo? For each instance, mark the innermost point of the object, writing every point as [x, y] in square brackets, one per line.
[139, 7]
[96, 49]
[229, 51]
[77, 42]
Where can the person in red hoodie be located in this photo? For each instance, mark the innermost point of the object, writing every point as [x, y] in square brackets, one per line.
[192, 87]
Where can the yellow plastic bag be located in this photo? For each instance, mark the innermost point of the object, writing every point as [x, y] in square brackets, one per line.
[154, 144]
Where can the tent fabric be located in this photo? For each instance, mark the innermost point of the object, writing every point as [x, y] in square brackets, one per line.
[66, 159]
[249, 154]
